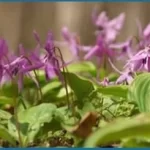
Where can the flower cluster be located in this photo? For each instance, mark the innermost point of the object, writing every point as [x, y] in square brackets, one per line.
[105, 49]
[14, 67]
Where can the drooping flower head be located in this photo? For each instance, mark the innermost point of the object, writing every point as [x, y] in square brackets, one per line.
[141, 60]
[123, 49]
[72, 41]
[109, 29]
[17, 68]
[144, 36]
[126, 76]
[50, 61]
[101, 49]
[3, 56]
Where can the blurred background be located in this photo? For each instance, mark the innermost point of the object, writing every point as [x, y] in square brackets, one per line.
[18, 20]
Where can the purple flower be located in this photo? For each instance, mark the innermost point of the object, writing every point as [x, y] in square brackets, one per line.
[125, 76]
[14, 66]
[71, 40]
[100, 20]
[106, 82]
[140, 61]
[125, 47]
[3, 56]
[144, 36]
[19, 67]
[101, 49]
[108, 29]
[50, 61]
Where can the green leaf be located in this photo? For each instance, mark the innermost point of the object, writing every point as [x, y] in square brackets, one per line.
[139, 91]
[135, 142]
[119, 129]
[85, 66]
[4, 115]
[115, 90]
[54, 125]
[81, 87]
[32, 120]
[37, 114]
[6, 100]
[5, 135]
[87, 107]
[54, 84]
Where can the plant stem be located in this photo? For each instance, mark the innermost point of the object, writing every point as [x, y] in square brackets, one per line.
[36, 76]
[15, 110]
[65, 78]
[17, 123]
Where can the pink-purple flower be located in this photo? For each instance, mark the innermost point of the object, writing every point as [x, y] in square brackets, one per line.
[109, 29]
[71, 40]
[49, 61]
[125, 76]
[140, 61]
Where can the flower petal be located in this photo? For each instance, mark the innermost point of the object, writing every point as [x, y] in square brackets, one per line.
[92, 52]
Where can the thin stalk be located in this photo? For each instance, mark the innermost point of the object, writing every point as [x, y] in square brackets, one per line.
[17, 123]
[15, 112]
[36, 76]
[105, 64]
[65, 78]
[98, 70]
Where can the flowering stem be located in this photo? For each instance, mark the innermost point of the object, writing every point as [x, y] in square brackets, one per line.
[67, 93]
[15, 111]
[65, 83]
[36, 76]
[17, 123]
[105, 64]
[114, 67]
[98, 71]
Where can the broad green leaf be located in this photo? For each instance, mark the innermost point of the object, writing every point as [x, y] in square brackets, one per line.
[62, 92]
[139, 91]
[32, 120]
[88, 107]
[81, 87]
[56, 96]
[135, 142]
[5, 135]
[119, 129]
[51, 86]
[114, 90]
[85, 66]
[54, 125]
[37, 114]
[5, 115]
